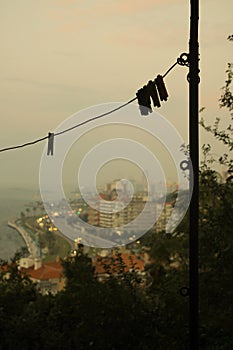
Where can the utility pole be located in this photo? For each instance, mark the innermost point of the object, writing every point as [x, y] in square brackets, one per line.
[193, 79]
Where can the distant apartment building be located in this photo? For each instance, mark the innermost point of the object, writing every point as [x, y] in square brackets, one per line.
[93, 218]
[111, 213]
[164, 217]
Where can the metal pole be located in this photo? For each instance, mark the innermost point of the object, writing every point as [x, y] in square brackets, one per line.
[194, 155]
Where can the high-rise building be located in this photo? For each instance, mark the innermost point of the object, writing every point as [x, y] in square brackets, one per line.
[111, 213]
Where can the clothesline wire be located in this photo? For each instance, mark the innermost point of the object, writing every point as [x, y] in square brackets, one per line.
[173, 66]
[80, 124]
[24, 145]
[96, 117]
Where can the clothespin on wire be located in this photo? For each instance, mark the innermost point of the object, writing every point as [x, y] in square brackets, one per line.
[50, 143]
[153, 93]
[161, 88]
[154, 90]
[143, 96]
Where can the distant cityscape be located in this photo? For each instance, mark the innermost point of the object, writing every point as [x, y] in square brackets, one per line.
[110, 213]
[46, 245]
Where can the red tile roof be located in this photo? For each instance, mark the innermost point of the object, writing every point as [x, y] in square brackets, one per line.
[49, 270]
[130, 261]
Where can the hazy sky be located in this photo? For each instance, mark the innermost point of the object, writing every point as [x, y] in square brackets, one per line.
[60, 56]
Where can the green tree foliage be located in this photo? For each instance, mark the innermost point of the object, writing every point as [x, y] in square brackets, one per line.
[109, 315]
[216, 232]
[17, 292]
[87, 314]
